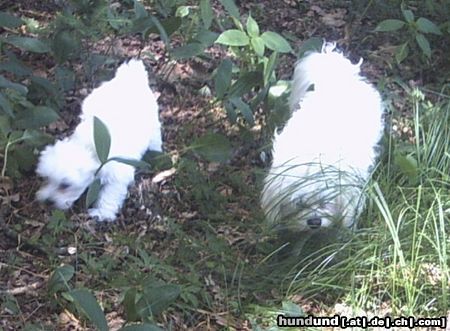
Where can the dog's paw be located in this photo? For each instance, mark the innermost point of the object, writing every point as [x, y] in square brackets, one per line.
[102, 215]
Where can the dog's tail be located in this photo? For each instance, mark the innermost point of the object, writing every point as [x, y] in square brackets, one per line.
[328, 68]
[133, 72]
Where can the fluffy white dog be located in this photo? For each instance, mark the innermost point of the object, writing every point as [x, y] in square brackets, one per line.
[127, 106]
[323, 157]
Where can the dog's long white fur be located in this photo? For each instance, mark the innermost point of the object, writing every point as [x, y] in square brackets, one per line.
[128, 108]
[322, 158]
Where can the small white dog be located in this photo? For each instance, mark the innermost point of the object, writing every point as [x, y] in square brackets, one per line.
[128, 108]
[323, 157]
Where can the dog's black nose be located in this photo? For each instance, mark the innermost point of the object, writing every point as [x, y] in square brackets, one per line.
[314, 223]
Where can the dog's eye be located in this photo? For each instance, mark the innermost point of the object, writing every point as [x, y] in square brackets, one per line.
[63, 186]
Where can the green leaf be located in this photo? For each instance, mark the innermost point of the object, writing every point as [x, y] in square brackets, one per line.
[5, 105]
[88, 304]
[233, 37]
[424, 45]
[231, 111]
[311, 44]
[222, 78]
[207, 38]
[182, 11]
[276, 42]
[129, 305]
[188, 50]
[408, 166]
[389, 25]
[206, 13]
[102, 140]
[156, 298]
[60, 278]
[139, 10]
[408, 15]
[246, 83]
[162, 31]
[141, 327]
[258, 45]
[65, 78]
[93, 192]
[35, 117]
[244, 109]
[401, 52]
[132, 162]
[213, 147]
[28, 44]
[291, 309]
[269, 68]
[231, 8]
[66, 45]
[426, 26]
[9, 21]
[16, 67]
[6, 83]
[252, 27]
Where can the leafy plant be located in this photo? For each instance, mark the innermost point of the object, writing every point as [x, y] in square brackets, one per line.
[139, 304]
[416, 33]
[243, 80]
[27, 102]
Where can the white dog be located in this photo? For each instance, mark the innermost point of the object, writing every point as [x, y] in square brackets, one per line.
[323, 157]
[127, 106]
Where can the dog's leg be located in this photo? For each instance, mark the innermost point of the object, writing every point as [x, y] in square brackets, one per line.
[115, 178]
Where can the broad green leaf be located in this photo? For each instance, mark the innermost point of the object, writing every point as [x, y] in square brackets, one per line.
[292, 309]
[35, 117]
[60, 278]
[182, 11]
[6, 83]
[170, 25]
[222, 78]
[9, 21]
[244, 109]
[187, 51]
[206, 13]
[426, 26]
[231, 111]
[389, 25]
[408, 15]
[102, 140]
[28, 44]
[65, 46]
[311, 44]
[401, 52]
[258, 45]
[424, 45]
[139, 10]
[16, 67]
[132, 162]
[231, 8]
[276, 42]
[207, 38]
[246, 83]
[87, 302]
[93, 192]
[213, 147]
[143, 25]
[141, 327]
[408, 166]
[5, 125]
[44, 86]
[116, 21]
[233, 37]
[6, 106]
[156, 298]
[252, 27]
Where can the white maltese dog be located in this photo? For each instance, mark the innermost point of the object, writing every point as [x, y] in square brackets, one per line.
[128, 108]
[323, 157]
